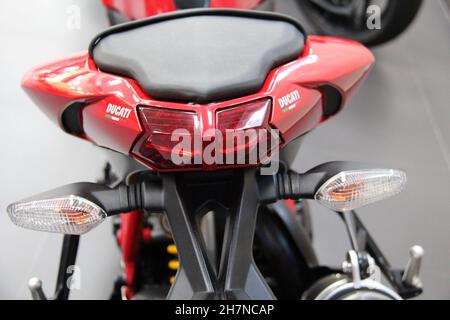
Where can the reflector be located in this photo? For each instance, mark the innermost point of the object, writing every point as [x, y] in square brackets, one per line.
[350, 190]
[67, 215]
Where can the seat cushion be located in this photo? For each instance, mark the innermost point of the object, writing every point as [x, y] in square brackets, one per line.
[200, 56]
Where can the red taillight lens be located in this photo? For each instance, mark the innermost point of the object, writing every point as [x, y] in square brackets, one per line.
[250, 122]
[246, 116]
[240, 133]
[157, 146]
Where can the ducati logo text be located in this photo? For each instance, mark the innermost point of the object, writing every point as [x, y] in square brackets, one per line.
[115, 112]
[287, 102]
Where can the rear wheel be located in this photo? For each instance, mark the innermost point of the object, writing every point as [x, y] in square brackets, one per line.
[275, 252]
[348, 18]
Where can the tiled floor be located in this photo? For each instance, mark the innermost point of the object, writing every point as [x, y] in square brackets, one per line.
[399, 118]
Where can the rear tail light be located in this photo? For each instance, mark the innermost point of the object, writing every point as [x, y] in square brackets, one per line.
[239, 129]
[247, 136]
[252, 115]
[350, 190]
[67, 215]
[156, 146]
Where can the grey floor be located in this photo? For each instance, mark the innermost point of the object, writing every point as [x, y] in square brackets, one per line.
[399, 118]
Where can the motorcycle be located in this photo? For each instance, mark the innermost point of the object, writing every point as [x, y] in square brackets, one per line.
[344, 18]
[200, 124]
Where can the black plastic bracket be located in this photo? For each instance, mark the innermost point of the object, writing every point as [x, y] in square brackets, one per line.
[370, 246]
[68, 257]
[237, 276]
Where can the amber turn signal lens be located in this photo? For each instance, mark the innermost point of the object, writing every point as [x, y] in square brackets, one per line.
[350, 190]
[67, 215]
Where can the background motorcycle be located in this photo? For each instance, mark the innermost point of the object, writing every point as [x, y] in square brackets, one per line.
[77, 93]
[343, 18]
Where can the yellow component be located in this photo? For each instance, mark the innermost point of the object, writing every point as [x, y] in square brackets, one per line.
[172, 279]
[174, 264]
[172, 249]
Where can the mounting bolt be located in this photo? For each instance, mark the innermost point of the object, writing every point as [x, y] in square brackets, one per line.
[347, 267]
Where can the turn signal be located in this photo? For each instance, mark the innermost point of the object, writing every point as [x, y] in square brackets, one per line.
[67, 215]
[350, 190]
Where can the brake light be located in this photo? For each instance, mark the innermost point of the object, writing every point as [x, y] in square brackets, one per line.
[234, 142]
[246, 116]
[157, 146]
[245, 129]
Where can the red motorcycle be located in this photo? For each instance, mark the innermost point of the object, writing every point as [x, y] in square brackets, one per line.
[370, 22]
[185, 102]
[125, 10]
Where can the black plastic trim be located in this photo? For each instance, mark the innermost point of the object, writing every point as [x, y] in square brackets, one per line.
[236, 276]
[147, 195]
[292, 185]
[332, 100]
[68, 258]
[190, 4]
[392, 275]
[71, 118]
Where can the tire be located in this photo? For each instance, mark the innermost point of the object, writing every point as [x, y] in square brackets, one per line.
[396, 18]
[306, 219]
[275, 252]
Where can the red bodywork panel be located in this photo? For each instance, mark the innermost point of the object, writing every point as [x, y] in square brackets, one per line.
[130, 237]
[325, 61]
[139, 9]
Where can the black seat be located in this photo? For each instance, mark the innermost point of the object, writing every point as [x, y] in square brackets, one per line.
[200, 56]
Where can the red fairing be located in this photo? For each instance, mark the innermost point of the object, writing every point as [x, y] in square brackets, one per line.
[110, 103]
[139, 9]
[57, 85]
[341, 63]
[237, 4]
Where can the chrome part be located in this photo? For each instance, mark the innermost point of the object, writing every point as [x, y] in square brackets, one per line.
[351, 267]
[354, 284]
[373, 271]
[325, 286]
[341, 287]
[354, 263]
[347, 268]
[411, 275]
[35, 286]
[367, 288]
